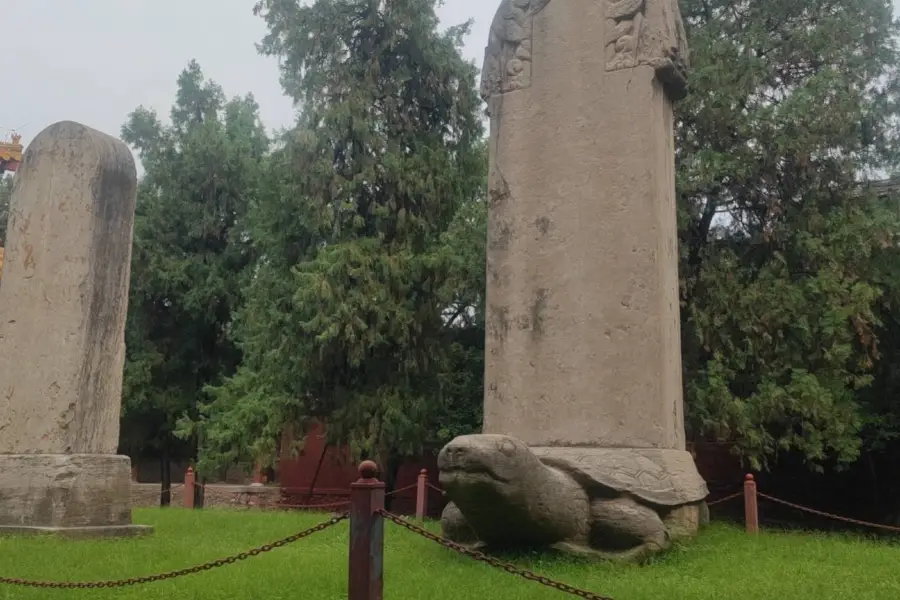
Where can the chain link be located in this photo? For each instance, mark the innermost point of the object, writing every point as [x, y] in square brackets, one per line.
[403, 489]
[480, 556]
[725, 499]
[172, 489]
[288, 506]
[221, 562]
[820, 513]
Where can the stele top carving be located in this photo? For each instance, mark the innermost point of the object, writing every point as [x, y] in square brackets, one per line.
[507, 60]
[637, 33]
[648, 33]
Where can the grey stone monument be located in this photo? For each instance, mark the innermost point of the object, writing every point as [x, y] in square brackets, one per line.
[583, 362]
[63, 301]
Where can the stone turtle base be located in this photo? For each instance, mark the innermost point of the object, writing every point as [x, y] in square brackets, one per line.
[612, 503]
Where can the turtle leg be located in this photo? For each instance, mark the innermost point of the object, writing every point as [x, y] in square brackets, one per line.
[626, 528]
[455, 528]
[685, 521]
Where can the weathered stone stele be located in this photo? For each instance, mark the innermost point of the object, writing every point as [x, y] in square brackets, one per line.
[583, 360]
[63, 302]
[583, 344]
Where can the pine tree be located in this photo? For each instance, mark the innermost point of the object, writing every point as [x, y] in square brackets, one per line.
[792, 106]
[357, 314]
[202, 172]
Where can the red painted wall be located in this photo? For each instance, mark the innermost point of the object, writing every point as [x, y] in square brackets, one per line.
[296, 474]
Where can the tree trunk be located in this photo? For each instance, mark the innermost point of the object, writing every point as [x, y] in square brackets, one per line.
[873, 480]
[312, 485]
[199, 491]
[165, 475]
[391, 467]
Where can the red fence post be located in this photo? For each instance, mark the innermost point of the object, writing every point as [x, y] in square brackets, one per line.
[258, 478]
[751, 509]
[422, 496]
[366, 535]
[188, 499]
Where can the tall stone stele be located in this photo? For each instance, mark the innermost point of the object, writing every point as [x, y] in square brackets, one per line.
[583, 364]
[63, 300]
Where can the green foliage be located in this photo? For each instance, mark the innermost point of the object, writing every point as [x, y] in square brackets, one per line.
[881, 401]
[341, 277]
[792, 104]
[5, 197]
[190, 252]
[362, 311]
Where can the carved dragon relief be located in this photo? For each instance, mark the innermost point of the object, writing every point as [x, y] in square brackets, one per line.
[651, 33]
[507, 58]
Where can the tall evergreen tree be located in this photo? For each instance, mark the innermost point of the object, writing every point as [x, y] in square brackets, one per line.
[360, 312]
[190, 251]
[793, 104]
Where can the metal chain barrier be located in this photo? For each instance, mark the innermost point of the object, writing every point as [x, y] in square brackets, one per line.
[340, 504]
[480, 556]
[725, 499]
[221, 562]
[828, 515]
[403, 489]
[289, 506]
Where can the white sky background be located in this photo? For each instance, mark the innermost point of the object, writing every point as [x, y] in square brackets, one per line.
[94, 61]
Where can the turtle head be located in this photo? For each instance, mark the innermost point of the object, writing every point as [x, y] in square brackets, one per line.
[504, 492]
[485, 460]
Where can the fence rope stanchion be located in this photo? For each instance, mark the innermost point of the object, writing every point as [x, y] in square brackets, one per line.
[494, 562]
[751, 507]
[751, 495]
[189, 481]
[258, 476]
[366, 578]
[828, 515]
[422, 496]
[221, 562]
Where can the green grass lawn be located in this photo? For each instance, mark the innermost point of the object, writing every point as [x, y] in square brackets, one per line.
[722, 563]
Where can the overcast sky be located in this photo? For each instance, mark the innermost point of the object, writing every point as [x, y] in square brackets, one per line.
[94, 61]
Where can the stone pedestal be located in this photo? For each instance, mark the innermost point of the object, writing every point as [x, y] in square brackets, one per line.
[77, 495]
[63, 304]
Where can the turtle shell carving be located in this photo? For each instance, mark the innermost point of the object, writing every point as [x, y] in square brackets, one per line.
[659, 477]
